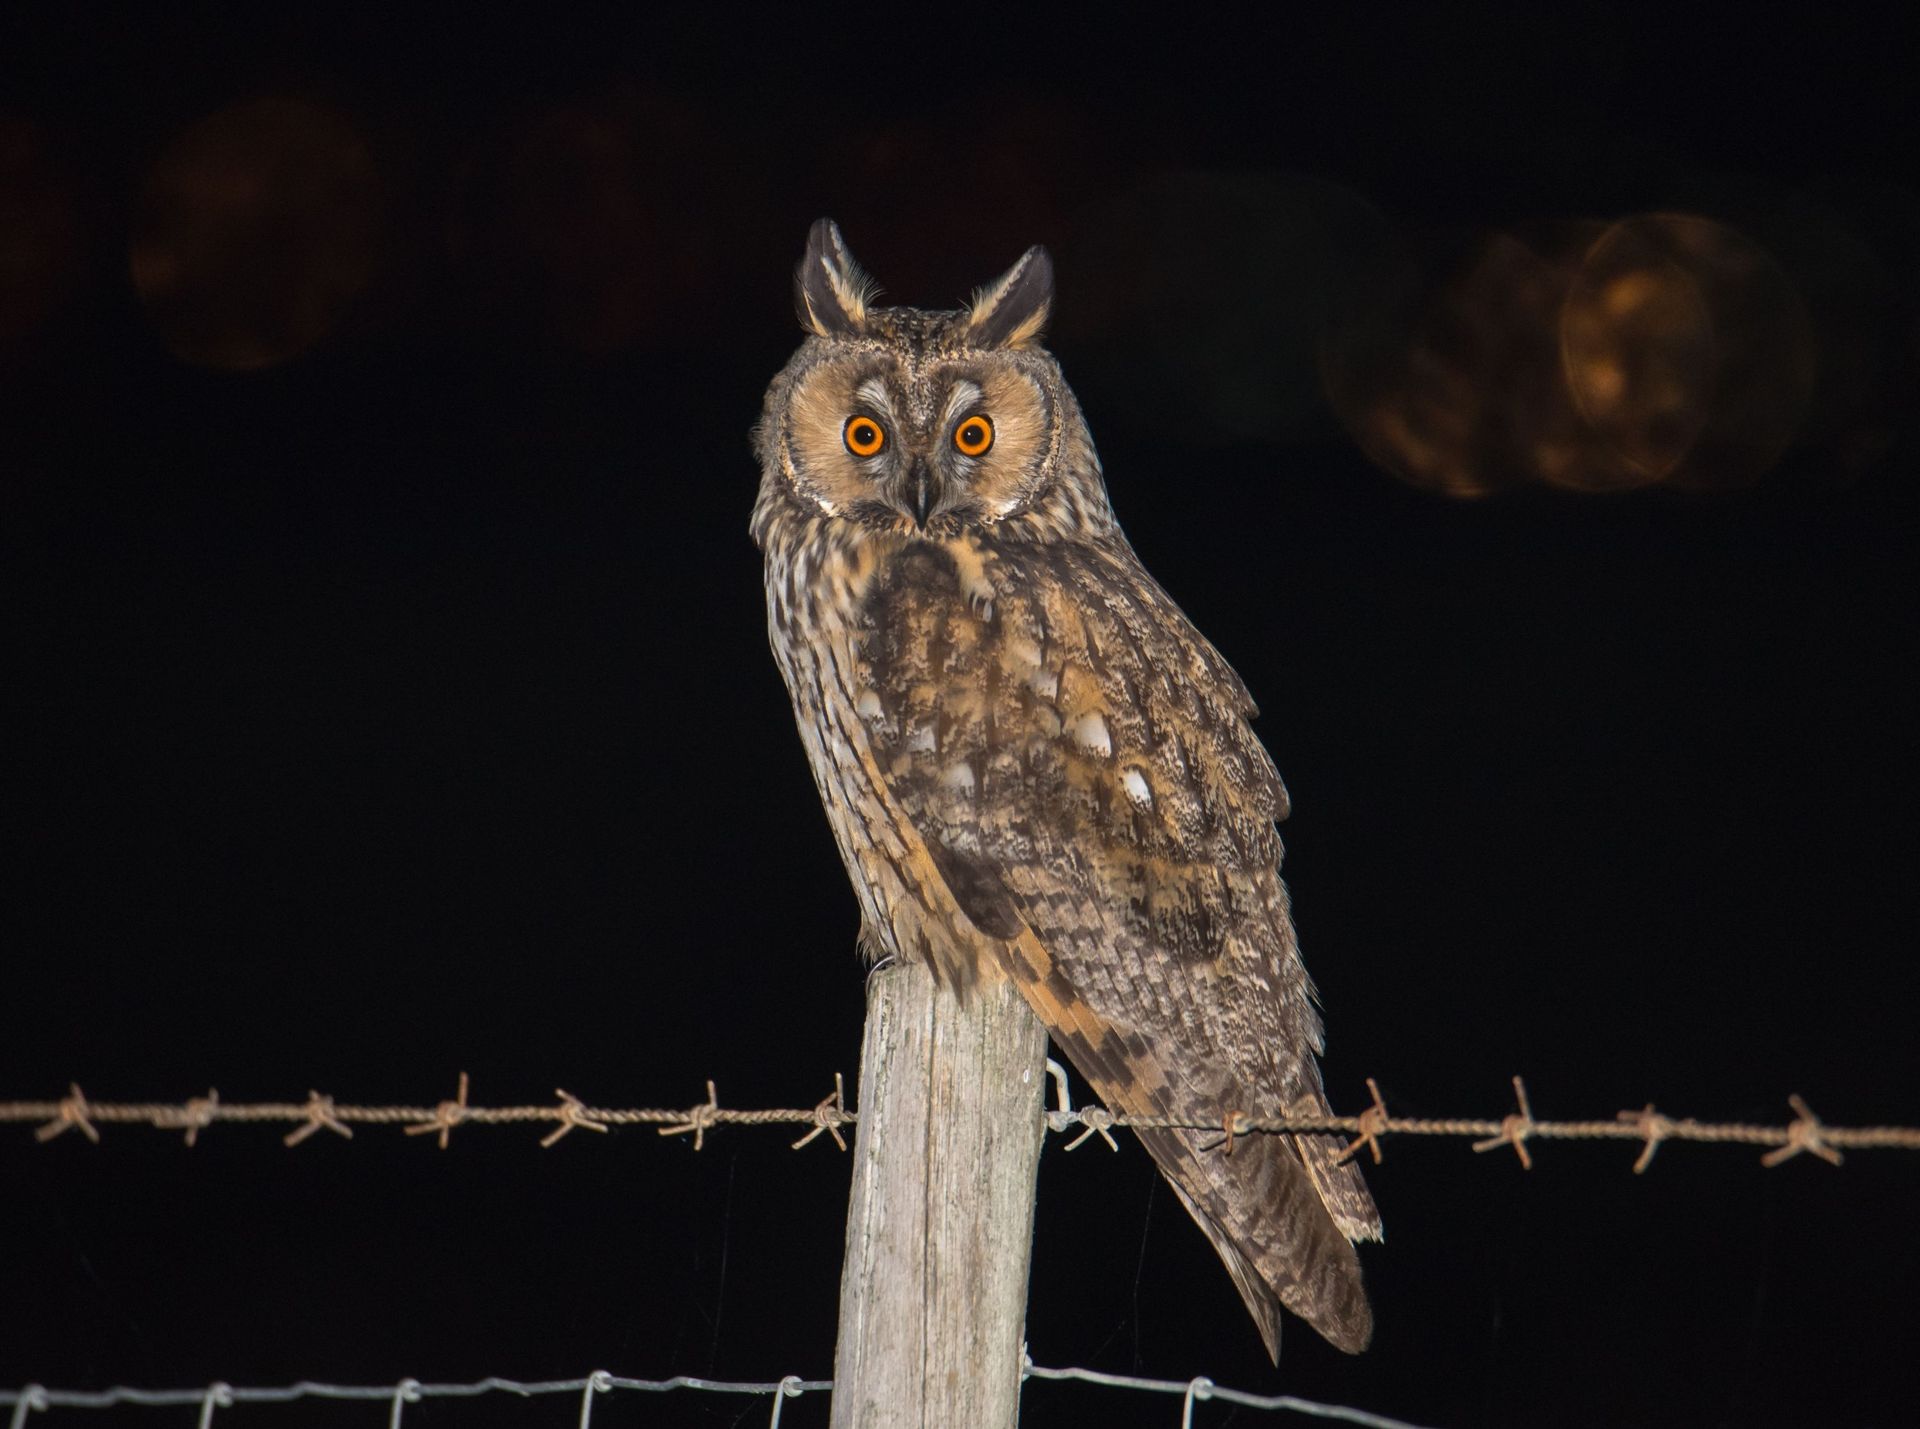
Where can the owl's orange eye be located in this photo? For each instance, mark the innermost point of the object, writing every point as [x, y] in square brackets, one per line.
[864, 436]
[973, 436]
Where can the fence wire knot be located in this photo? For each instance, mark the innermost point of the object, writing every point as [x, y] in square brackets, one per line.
[1804, 1133]
[33, 1399]
[446, 1116]
[1651, 1125]
[572, 1113]
[789, 1388]
[1515, 1128]
[599, 1382]
[1061, 1117]
[829, 1115]
[219, 1395]
[404, 1393]
[320, 1113]
[1199, 1387]
[1094, 1120]
[1373, 1126]
[699, 1119]
[71, 1113]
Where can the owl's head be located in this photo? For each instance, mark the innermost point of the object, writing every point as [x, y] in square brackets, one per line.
[925, 423]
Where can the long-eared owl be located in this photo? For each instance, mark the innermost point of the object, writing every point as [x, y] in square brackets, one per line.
[1034, 765]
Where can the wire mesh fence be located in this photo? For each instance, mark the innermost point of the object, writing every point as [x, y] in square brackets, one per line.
[37, 1399]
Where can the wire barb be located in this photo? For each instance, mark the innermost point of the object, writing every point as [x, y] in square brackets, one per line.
[319, 1114]
[1095, 1121]
[572, 1113]
[1514, 1129]
[69, 1115]
[1373, 1126]
[699, 1119]
[1804, 1133]
[197, 1114]
[829, 1115]
[1654, 1127]
[446, 1116]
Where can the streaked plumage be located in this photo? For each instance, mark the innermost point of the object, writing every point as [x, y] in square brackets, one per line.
[1034, 765]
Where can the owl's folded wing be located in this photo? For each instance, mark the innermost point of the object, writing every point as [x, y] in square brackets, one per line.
[1078, 761]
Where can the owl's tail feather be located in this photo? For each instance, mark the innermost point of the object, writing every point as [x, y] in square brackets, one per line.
[1264, 1214]
[1277, 1208]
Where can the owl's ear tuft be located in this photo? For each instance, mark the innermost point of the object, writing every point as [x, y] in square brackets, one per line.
[830, 290]
[1011, 310]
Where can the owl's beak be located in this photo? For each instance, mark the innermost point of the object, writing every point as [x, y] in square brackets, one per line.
[923, 491]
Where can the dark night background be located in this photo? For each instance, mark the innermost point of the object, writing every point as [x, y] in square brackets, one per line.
[390, 696]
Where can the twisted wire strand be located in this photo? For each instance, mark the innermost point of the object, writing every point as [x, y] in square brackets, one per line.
[1804, 1133]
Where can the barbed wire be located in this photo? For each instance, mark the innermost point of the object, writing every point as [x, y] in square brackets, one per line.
[320, 1112]
[34, 1398]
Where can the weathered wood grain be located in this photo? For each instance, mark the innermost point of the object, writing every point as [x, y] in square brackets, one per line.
[940, 1222]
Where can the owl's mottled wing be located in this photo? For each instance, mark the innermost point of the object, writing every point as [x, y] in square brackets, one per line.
[1078, 761]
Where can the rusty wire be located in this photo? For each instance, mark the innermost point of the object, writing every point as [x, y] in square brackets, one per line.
[1517, 1129]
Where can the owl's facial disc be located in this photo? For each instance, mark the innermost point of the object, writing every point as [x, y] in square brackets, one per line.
[920, 444]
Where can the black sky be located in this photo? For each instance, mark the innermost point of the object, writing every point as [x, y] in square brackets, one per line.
[390, 695]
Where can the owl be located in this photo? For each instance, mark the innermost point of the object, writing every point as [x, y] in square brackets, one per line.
[1034, 766]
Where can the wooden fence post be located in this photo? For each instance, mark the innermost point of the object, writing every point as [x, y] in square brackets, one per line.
[933, 1293]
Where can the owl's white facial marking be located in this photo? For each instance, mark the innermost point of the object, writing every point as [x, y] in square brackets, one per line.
[962, 396]
[873, 392]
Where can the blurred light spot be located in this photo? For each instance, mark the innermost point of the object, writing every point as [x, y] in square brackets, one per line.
[1664, 348]
[257, 228]
[1688, 350]
[1637, 344]
[1202, 299]
[41, 243]
[1452, 381]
